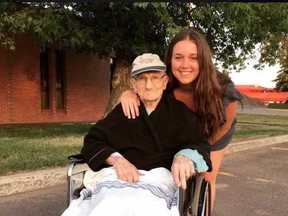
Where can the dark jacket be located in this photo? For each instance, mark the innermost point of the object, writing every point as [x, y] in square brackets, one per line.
[147, 141]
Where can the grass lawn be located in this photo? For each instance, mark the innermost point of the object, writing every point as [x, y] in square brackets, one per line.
[31, 147]
[259, 126]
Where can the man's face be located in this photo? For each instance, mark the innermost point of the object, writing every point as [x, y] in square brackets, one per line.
[149, 86]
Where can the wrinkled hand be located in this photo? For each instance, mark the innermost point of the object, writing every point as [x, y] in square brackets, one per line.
[125, 170]
[182, 169]
[130, 102]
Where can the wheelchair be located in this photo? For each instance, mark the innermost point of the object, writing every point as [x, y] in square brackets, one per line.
[194, 201]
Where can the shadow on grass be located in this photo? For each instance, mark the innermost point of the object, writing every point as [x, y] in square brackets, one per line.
[44, 130]
[262, 124]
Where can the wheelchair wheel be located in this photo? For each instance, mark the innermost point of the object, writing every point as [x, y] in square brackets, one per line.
[201, 205]
[185, 197]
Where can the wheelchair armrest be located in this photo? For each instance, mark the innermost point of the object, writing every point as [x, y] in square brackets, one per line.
[78, 158]
[73, 161]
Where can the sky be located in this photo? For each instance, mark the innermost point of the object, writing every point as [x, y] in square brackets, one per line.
[251, 76]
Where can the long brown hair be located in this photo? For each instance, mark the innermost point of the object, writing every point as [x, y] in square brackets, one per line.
[208, 93]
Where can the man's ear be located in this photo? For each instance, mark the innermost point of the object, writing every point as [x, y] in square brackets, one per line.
[132, 84]
[166, 80]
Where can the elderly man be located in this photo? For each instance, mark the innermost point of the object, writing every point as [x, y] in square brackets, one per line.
[137, 164]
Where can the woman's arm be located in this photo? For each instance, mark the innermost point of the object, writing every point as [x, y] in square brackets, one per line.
[130, 102]
[230, 111]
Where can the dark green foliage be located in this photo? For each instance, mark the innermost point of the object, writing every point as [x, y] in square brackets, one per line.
[282, 81]
[233, 30]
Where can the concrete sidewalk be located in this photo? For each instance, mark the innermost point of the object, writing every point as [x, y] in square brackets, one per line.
[29, 181]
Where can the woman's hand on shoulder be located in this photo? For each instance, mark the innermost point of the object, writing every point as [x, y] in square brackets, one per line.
[130, 102]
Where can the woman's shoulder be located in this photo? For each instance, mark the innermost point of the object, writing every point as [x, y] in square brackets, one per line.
[223, 78]
[230, 93]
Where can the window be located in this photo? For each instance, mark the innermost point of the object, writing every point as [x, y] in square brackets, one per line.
[60, 78]
[44, 70]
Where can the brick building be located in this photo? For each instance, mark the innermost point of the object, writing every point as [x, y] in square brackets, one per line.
[45, 85]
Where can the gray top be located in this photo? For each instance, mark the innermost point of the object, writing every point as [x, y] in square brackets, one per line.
[231, 94]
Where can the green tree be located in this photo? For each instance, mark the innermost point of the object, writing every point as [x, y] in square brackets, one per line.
[282, 77]
[282, 80]
[129, 29]
[234, 30]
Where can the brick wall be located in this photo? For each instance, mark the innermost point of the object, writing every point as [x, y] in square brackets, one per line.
[87, 86]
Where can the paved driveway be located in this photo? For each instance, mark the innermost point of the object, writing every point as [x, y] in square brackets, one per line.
[251, 183]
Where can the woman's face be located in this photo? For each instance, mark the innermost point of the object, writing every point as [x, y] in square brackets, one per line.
[184, 62]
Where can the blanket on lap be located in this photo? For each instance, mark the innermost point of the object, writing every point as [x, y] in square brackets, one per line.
[105, 195]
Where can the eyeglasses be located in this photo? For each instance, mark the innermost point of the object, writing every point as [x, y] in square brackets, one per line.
[141, 80]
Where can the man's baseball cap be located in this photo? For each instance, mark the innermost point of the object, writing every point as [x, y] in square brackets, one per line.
[147, 62]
